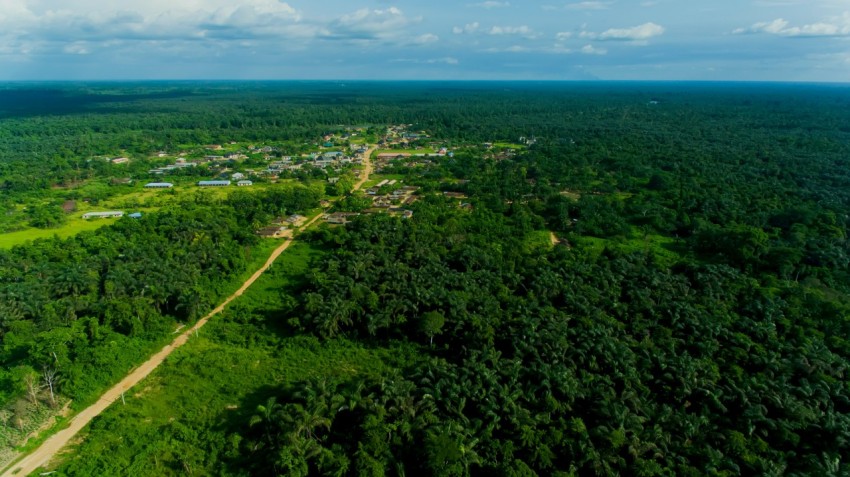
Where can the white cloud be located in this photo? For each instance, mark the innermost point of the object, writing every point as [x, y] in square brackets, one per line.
[588, 6]
[253, 13]
[52, 26]
[426, 39]
[491, 4]
[447, 60]
[468, 28]
[592, 50]
[523, 30]
[834, 27]
[639, 34]
[564, 35]
[510, 49]
[77, 48]
[366, 24]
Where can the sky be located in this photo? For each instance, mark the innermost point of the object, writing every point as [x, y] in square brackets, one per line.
[711, 40]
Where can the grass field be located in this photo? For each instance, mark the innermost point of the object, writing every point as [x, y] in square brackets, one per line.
[73, 226]
[508, 145]
[666, 249]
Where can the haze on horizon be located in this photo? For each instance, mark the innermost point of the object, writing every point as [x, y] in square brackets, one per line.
[757, 40]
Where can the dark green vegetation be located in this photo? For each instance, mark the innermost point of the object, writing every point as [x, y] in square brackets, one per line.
[694, 321]
[77, 314]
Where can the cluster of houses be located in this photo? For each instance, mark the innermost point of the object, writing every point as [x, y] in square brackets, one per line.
[391, 202]
[180, 164]
[395, 195]
[281, 226]
[334, 159]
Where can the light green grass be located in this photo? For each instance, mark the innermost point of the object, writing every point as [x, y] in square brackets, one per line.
[508, 145]
[664, 248]
[73, 226]
[538, 240]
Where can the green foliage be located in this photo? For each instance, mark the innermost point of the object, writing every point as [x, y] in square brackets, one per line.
[693, 323]
[45, 216]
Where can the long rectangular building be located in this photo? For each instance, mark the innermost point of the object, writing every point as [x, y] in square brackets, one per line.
[103, 215]
[214, 183]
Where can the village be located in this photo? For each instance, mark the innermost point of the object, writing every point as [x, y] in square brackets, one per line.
[339, 159]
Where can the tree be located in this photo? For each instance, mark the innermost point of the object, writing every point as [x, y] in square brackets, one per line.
[50, 375]
[431, 323]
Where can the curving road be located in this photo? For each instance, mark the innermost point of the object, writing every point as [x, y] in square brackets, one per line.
[42, 455]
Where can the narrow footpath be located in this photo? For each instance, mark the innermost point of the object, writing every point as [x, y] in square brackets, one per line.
[48, 449]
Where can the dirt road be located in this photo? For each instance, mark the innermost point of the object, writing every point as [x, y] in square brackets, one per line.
[42, 455]
[367, 168]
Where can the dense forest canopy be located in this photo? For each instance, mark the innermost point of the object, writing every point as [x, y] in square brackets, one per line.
[693, 319]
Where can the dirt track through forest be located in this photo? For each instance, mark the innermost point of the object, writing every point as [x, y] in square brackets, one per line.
[48, 449]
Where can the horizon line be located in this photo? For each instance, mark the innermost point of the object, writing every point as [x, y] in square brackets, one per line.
[410, 80]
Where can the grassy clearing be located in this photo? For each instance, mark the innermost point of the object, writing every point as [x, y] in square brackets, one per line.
[665, 249]
[539, 240]
[508, 145]
[73, 226]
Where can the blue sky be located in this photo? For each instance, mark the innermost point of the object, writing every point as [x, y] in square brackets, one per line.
[776, 40]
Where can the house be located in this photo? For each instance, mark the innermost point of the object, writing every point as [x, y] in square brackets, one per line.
[455, 195]
[388, 156]
[274, 231]
[333, 180]
[237, 176]
[244, 183]
[296, 219]
[159, 185]
[103, 215]
[324, 204]
[340, 218]
[120, 160]
[213, 183]
[404, 213]
[135, 215]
